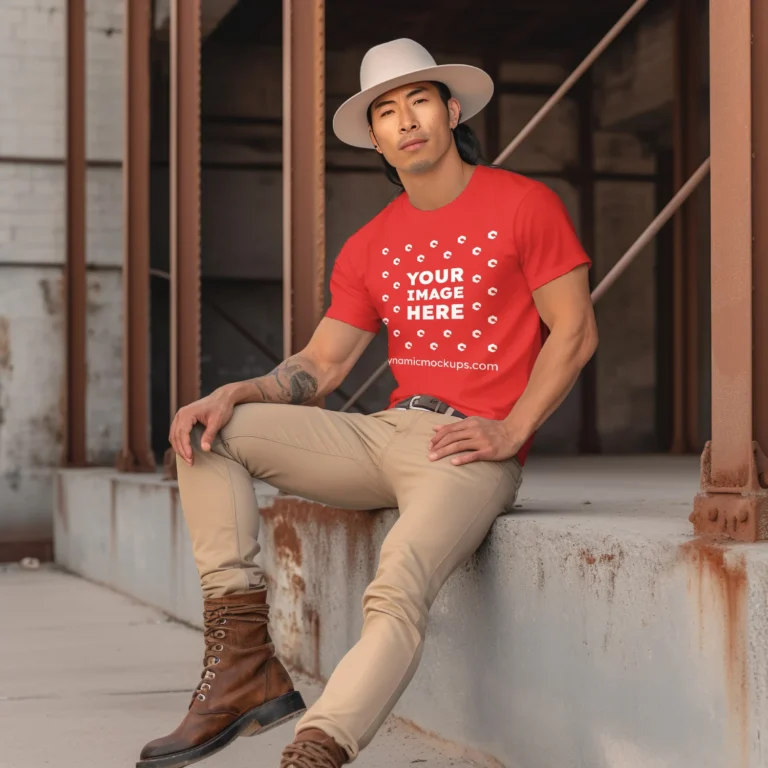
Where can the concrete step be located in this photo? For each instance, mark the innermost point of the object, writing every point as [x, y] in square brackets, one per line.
[590, 630]
[88, 676]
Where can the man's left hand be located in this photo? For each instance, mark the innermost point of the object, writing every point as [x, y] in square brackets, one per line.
[486, 439]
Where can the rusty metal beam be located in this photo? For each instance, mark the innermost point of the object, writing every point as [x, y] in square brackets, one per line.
[136, 453]
[185, 203]
[303, 170]
[75, 285]
[733, 501]
[651, 230]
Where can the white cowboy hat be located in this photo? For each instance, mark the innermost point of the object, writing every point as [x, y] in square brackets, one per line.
[400, 62]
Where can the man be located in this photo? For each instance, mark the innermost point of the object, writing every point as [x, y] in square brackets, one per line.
[462, 268]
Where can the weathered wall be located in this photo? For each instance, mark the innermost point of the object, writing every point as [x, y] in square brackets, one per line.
[32, 184]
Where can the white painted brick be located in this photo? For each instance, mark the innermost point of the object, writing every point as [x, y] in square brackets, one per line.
[104, 216]
[32, 71]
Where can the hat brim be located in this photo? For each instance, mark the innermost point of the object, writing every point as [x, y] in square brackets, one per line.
[470, 85]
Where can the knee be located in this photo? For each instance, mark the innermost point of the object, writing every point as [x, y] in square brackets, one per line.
[398, 598]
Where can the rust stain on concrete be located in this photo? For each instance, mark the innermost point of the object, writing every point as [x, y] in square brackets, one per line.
[289, 513]
[312, 621]
[61, 502]
[5, 343]
[591, 559]
[718, 587]
[291, 521]
[299, 585]
[286, 540]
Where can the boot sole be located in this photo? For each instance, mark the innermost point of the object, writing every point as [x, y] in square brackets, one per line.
[258, 720]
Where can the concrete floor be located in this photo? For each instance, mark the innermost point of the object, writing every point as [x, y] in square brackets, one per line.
[87, 676]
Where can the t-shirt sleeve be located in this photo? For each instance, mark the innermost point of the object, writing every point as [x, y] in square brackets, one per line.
[350, 301]
[546, 241]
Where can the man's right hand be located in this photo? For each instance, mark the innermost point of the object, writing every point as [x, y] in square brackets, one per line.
[214, 411]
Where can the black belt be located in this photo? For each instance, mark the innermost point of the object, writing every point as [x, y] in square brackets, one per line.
[428, 403]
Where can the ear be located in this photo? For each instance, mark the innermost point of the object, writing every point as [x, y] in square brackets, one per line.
[374, 141]
[454, 112]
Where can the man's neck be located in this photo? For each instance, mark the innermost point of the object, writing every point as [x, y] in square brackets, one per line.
[440, 185]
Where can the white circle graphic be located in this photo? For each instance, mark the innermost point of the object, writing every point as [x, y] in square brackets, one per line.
[493, 319]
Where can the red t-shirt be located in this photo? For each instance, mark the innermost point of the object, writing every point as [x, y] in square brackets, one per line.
[454, 288]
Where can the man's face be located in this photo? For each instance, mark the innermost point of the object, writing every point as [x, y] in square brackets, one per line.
[411, 126]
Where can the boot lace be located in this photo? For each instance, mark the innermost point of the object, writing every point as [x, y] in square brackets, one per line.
[307, 754]
[215, 621]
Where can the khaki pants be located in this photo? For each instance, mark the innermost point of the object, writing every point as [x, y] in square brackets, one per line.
[356, 462]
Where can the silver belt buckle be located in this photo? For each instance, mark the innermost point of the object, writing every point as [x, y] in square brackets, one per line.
[413, 407]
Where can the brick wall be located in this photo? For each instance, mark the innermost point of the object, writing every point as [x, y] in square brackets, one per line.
[32, 242]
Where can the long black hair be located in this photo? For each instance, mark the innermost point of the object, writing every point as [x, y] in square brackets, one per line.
[466, 140]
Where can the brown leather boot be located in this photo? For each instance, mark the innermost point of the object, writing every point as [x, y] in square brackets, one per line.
[244, 689]
[313, 748]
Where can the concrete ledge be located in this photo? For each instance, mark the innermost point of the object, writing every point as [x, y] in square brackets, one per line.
[589, 631]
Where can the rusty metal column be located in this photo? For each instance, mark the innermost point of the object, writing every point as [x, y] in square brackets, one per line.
[734, 501]
[303, 170]
[136, 454]
[75, 285]
[185, 203]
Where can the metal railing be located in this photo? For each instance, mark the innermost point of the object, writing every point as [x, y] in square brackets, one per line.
[648, 234]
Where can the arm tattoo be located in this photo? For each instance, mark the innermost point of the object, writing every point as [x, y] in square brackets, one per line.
[288, 383]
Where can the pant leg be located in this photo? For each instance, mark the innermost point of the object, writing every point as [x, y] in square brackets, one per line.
[328, 457]
[445, 513]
